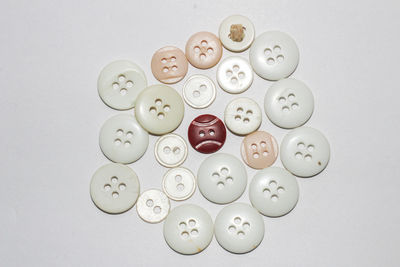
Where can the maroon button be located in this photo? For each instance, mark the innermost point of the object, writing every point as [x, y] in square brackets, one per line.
[207, 133]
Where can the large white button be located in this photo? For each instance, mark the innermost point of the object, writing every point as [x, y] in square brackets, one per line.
[153, 206]
[199, 91]
[234, 75]
[159, 109]
[305, 151]
[274, 191]
[170, 150]
[188, 229]
[114, 188]
[179, 183]
[119, 84]
[239, 228]
[122, 139]
[274, 55]
[222, 178]
[242, 116]
[289, 103]
[236, 33]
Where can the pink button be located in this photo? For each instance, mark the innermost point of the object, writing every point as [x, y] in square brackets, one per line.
[203, 50]
[169, 64]
[259, 150]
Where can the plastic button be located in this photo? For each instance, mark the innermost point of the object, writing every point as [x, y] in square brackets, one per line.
[170, 150]
[234, 75]
[153, 206]
[242, 116]
[236, 33]
[259, 150]
[199, 91]
[203, 50]
[179, 183]
[169, 64]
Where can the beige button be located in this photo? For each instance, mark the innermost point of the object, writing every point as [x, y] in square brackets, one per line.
[259, 150]
[203, 50]
[169, 64]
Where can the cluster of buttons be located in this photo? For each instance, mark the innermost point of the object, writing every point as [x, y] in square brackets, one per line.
[221, 178]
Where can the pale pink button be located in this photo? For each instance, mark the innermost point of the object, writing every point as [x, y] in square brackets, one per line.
[203, 50]
[259, 150]
[169, 64]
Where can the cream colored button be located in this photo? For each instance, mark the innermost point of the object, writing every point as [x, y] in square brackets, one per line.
[170, 150]
[259, 150]
[153, 206]
[199, 91]
[179, 183]
[169, 64]
[203, 50]
[242, 116]
[234, 75]
[236, 33]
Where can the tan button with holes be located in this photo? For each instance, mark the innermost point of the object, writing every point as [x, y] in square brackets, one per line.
[259, 150]
[203, 50]
[169, 64]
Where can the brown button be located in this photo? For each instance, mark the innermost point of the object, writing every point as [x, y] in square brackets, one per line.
[169, 64]
[203, 50]
[259, 150]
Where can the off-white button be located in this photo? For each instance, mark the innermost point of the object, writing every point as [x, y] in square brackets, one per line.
[236, 33]
[153, 206]
[179, 183]
[242, 116]
[170, 150]
[234, 75]
[199, 91]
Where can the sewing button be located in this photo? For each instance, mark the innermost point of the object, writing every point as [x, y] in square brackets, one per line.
[153, 206]
[169, 64]
[203, 50]
[170, 150]
[234, 75]
[179, 183]
[236, 33]
[242, 116]
[199, 91]
[259, 150]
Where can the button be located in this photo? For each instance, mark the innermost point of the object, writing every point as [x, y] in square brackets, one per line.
[203, 50]
[242, 116]
[188, 229]
[222, 178]
[119, 84]
[207, 133]
[274, 191]
[179, 183]
[289, 103]
[236, 33]
[159, 109]
[169, 64]
[234, 75]
[259, 150]
[239, 228]
[305, 151]
[114, 188]
[153, 206]
[199, 91]
[170, 150]
[122, 139]
[274, 55]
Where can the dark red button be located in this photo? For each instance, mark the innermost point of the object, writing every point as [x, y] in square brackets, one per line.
[207, 133]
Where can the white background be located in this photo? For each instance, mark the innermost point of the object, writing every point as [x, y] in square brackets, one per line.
[50, 113]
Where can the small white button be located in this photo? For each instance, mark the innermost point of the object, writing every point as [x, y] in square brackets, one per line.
[236, 33]
[242, 116]
[289, 103]
[170, 150]
[179, 183]
[239, 228]
[274, 55]
[305, 151]
[199, 91]
[119, 84]
[222, 178]
[153, 206]
[114, 188]
[274, 191]
[234, 75]
[188, 229]
[122, 139]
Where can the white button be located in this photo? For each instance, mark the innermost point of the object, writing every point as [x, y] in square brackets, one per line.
[119, 84]
[199, 91]
[188, 229]
[236, 33]
[153, 206]
[114, 188]
[122, 139]
[289, 103]
[274, 55]
[239, 228]
[305, 151]
[179, 183]
[234, 75]
[159, 109]
[222, 178]
[170, 150]
[274, 191]
[242, 116]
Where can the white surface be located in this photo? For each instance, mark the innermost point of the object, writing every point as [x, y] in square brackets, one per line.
[170, 150]
[225, 31]
[199, 91]
[234, 74]
[242, 116]
[51, 114]
[153, 206]
[179, 183]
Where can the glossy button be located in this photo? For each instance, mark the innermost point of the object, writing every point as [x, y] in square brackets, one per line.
[170, 150]
[203, 50]
[169, 64]
[259, 150]
[199, 91]
[242, 116]
[153, 206]
[236, 33]
[179, 183]
[234, 75]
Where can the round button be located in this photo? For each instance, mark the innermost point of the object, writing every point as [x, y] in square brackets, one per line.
[188, 229]
[153, 206]
[239, 228]
[170, 150]
[274, 192]
[122, 139]
[274, 55]
[199, 91]
[236, 33]
[259, 150]
[203, 50]
[169, 64]
[159, 109]
[207, 133]
[119, 84]
[234, 75]
[242, 116]
[305, 151]
[114, 188]
[222, 178]
[179, 183]
[289, 103]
